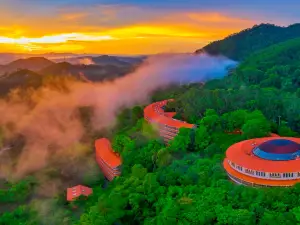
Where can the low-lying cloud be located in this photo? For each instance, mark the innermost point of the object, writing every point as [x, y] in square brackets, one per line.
[52, 127]
[86, 61]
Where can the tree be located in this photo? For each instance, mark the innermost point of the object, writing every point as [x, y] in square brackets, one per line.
[296, 212]
[182, 141]
[285, 131]
[136, 114]
[129, 117]
[256, 128]
[256, 125]
[122, 143]
[212, 150]
[138, 171]
[21, 215]
[234, 120]
[202, 139]
[211, 121]
[227, 215]
[163, 157]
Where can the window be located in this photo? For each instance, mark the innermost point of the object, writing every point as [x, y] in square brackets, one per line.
[239, 167]
[288, 175]
[261, 174]
[275, 175]
[249, 171]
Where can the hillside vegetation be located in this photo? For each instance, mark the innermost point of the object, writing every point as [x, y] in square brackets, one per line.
[268, 80]
[240, 45]
[277, 66]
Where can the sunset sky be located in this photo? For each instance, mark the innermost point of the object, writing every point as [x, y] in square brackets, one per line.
[131, 26]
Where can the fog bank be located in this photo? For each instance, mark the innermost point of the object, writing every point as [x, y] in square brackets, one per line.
[52, 126]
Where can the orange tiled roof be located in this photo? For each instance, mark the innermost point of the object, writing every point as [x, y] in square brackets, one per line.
[258, 181]
[106, 153]
[170, 114]
[155, 112]
[75, 192]
[241, 154]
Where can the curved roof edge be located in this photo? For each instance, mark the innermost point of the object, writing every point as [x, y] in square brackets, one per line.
[155, 113]
[257, 181]
[105, 152]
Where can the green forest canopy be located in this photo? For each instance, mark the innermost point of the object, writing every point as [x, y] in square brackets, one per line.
[241, 45]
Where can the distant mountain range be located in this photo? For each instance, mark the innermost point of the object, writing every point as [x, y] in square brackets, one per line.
[92, 72]
[6, 58]
[41, 64]
[34, 64]
[30, 71]
[240, 45]
[104, 60]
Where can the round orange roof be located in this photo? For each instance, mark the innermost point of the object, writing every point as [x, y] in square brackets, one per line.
[241, 154]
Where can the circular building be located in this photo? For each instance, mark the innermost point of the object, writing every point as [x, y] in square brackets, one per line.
[271, 161]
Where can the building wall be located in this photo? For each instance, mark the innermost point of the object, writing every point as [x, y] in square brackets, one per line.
[242, 182]
[167, 132]
[109, 172]
[263, 174]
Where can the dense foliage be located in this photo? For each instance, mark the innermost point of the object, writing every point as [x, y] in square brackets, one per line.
[240, 45]
[268, 81]
[277, 66]
[184, 182]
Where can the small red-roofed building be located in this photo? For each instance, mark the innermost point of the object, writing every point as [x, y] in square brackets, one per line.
[274, 135]
[74, 192]
[108, 161]
[236, 131]
[167, 126]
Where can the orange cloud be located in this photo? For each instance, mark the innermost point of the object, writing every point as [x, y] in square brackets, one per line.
[215, 18]
[73, 16]
[77, 31]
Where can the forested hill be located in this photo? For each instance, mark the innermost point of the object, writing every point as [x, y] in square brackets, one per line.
[240, 45]
[269, 80]
[276, 66]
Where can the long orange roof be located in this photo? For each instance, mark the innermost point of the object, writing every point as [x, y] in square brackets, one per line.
[155, 112]
[241, 154]
[106, 153]
[170, 114]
